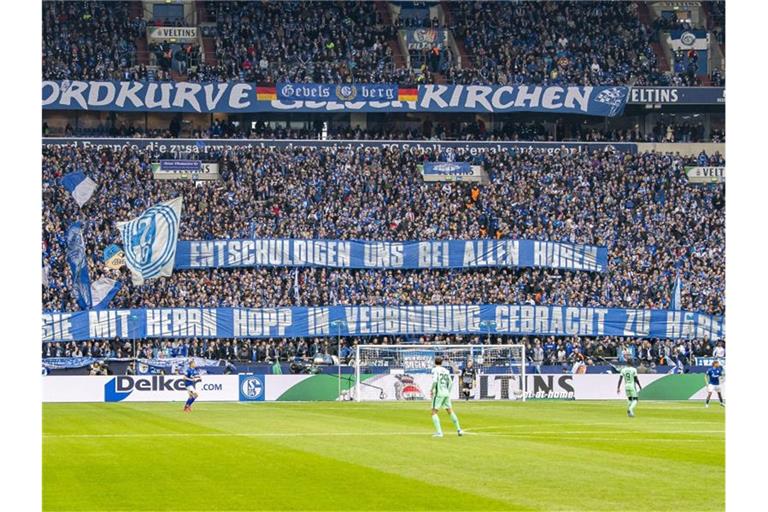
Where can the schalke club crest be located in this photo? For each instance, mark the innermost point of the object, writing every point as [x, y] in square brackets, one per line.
[346, 92]
[150, 240]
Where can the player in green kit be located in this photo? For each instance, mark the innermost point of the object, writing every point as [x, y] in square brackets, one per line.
[631, 385]
[441, 397]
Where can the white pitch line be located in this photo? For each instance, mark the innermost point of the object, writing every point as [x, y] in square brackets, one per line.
[225, 434]
[514, 425]
[611, 432]
[380, 434]
[608, 438]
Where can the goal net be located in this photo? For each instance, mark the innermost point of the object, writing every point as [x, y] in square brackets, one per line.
[403, 372]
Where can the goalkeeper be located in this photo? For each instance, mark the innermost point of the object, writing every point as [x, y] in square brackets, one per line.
[468, 377]
[441, 397]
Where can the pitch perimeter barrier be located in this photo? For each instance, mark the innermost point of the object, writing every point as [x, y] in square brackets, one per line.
[380, 387]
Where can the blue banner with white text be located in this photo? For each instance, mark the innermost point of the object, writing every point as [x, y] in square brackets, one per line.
[243, 97]
[428, 254]
[212, 148]
[409, 321]
[447, 168]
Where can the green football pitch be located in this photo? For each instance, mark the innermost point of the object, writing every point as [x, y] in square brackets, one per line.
[539, 455]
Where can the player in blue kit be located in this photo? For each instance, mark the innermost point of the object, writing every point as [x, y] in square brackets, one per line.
[191, 378]
[712, 378]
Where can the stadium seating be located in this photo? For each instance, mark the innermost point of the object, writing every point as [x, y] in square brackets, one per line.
[638, 205]
[496, 42]
[90, 41]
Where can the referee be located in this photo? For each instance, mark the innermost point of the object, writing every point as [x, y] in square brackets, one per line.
[468, 377]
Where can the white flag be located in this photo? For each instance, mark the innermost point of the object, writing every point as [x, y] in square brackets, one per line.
[80, 186]
[103, 291]
[149, 241]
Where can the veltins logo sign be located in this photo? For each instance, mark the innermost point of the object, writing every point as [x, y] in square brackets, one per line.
[251, 388]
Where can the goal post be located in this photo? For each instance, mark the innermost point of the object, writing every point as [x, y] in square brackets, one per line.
[403, 372]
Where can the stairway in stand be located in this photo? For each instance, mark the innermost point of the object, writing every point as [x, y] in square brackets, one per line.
[466, 60]
[382, 9]
[136, 10]
[209, 43]
[646, 19]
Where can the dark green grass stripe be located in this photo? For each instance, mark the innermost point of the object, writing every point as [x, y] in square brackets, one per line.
[235, 474]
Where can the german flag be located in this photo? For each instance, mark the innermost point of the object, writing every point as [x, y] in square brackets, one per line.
[266, 93]
[407, 94]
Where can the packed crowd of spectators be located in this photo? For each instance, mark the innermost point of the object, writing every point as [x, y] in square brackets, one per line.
[302, 42]
[639, 206]
[717, 16]
[554, 42]
[663, 131]
[539, 351]
[89, 40]
[568, 42]
[175, 56]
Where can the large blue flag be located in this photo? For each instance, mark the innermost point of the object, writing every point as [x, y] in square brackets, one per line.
[676, 290]
[81, 281]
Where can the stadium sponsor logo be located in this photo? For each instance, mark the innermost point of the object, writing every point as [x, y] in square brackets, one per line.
[172, 34]
[682, 95]
[407, 389]
[121, 387]
[251, 388]
[551, 387]
[509, 387]
[705, 174]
